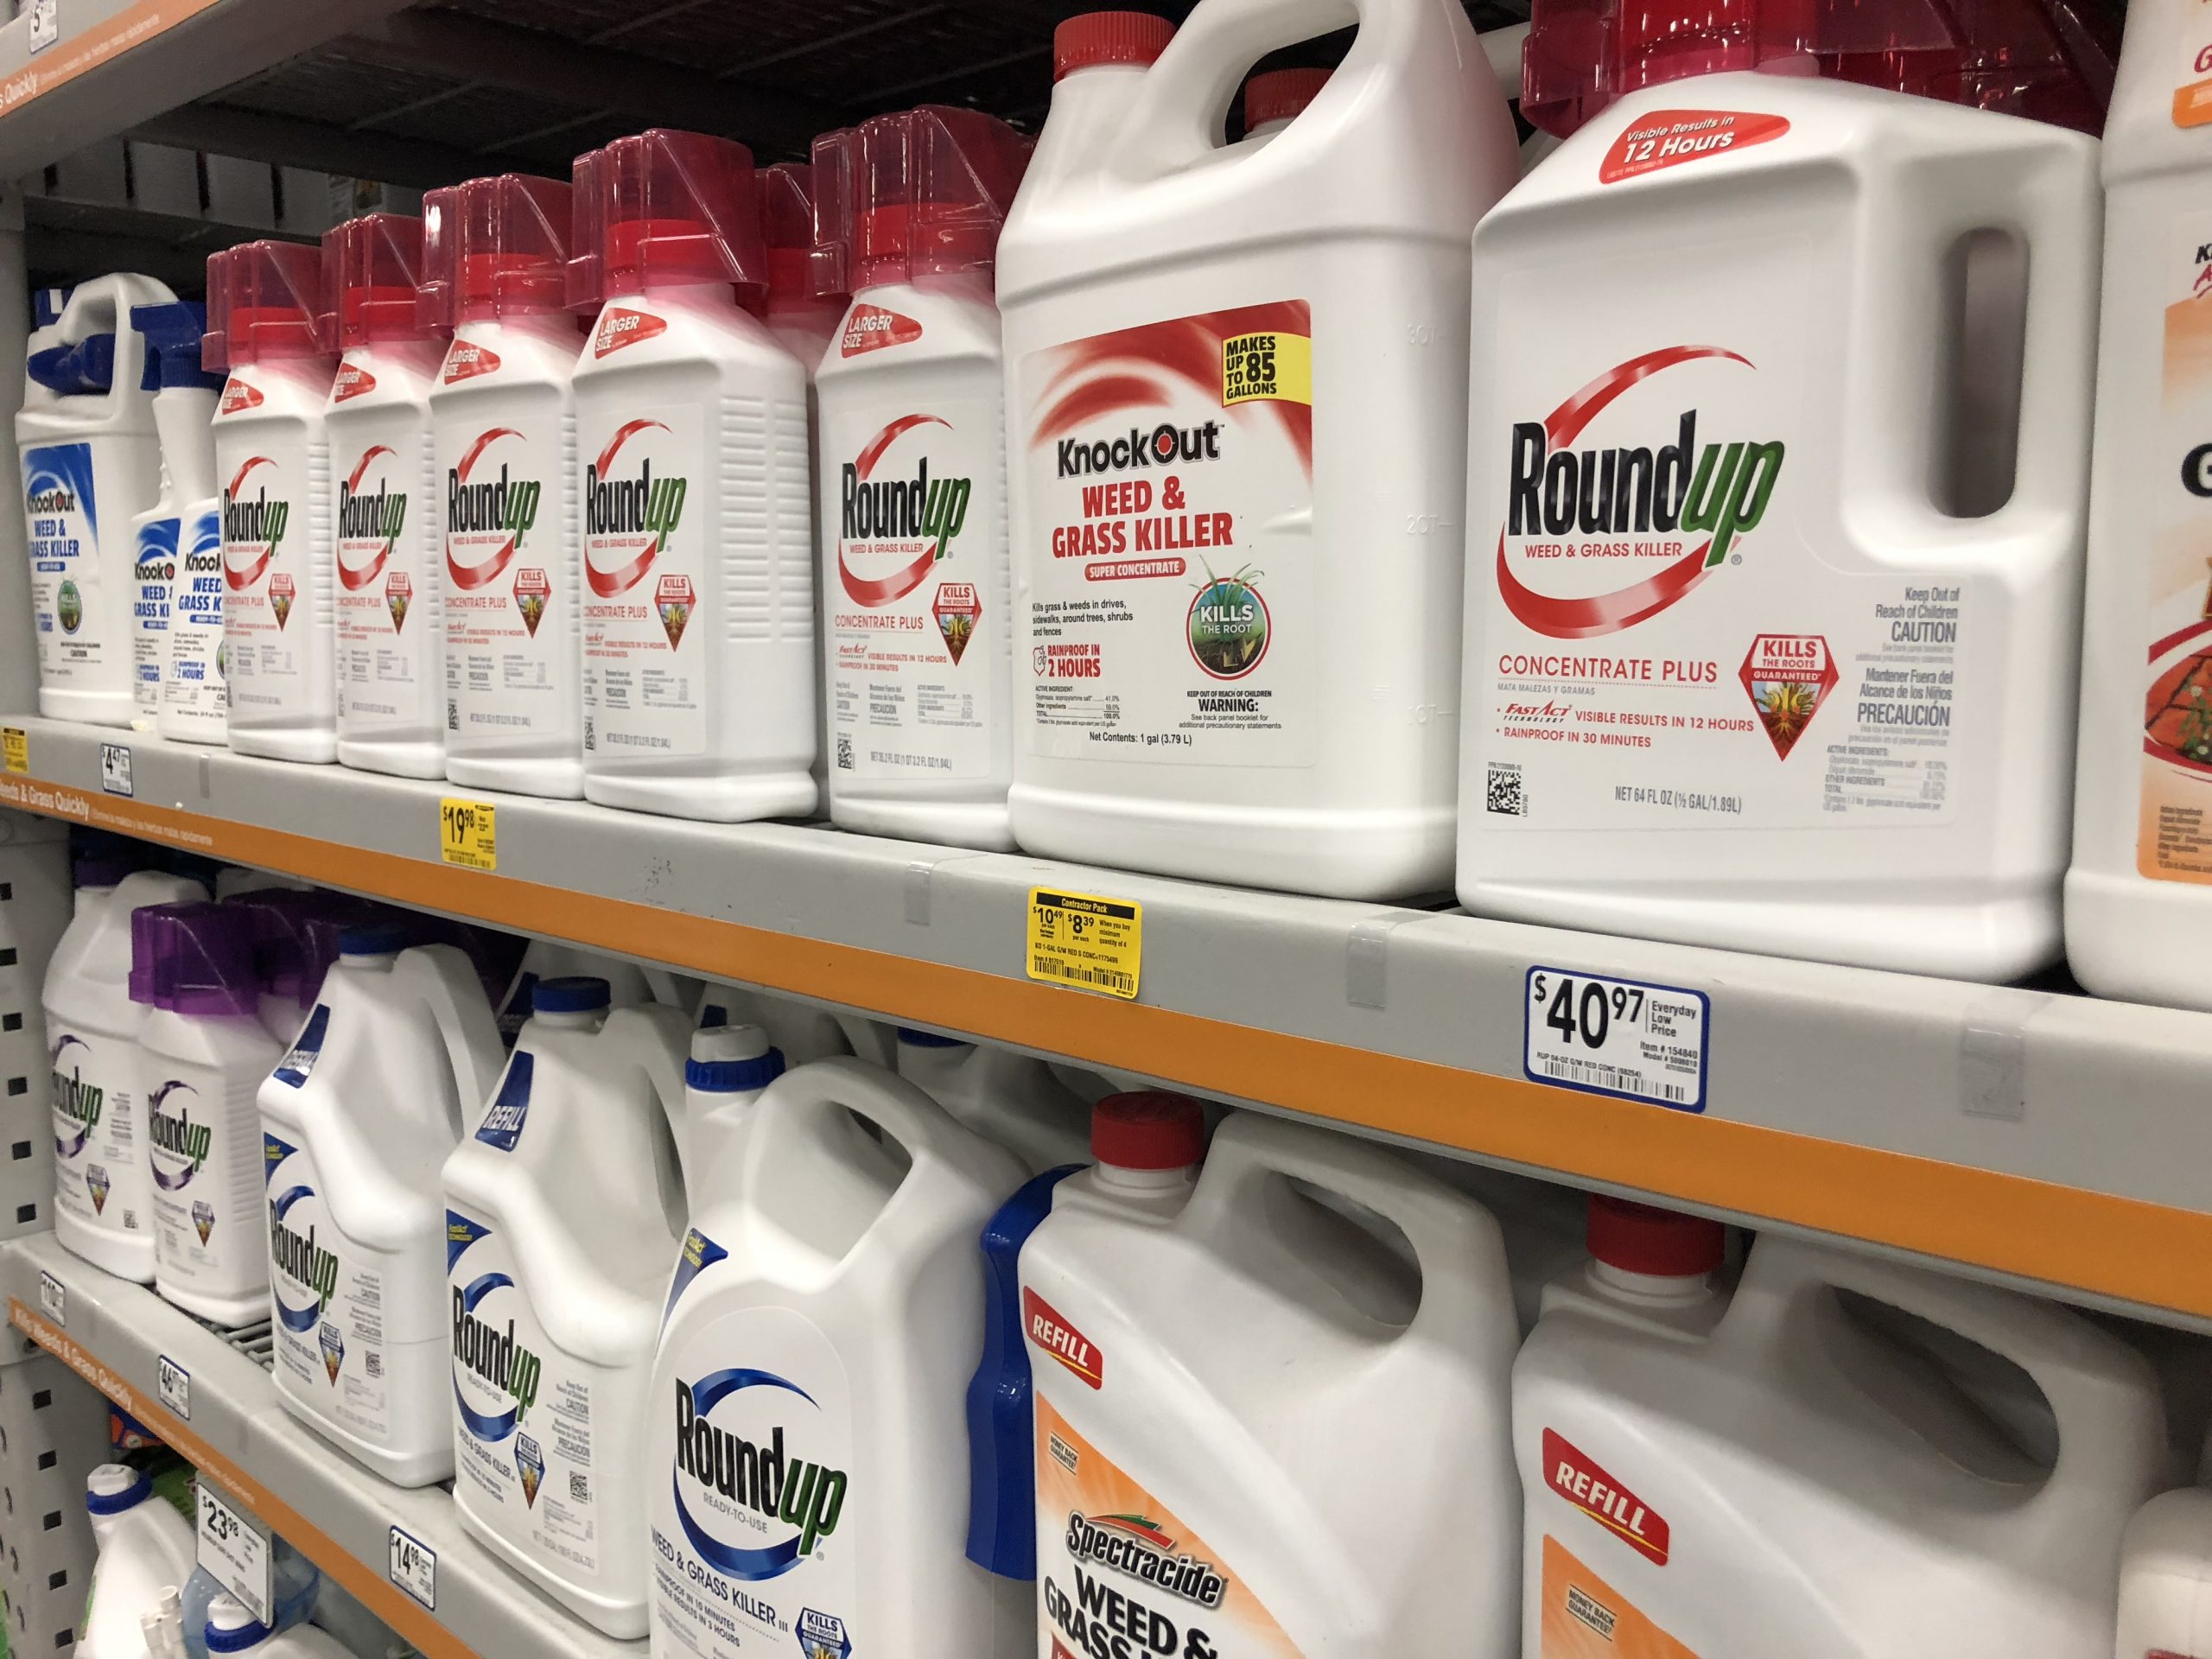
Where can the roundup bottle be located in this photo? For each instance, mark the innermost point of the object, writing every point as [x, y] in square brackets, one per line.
[563, 1212]
[1009, 1097]
[806, 1440]
[167, 593]
[203, 1052]
[696, 539]
[386, 501]
[1169, 1325]
[1749, 665]
[182, 533]
[92, 463]
[1237, 460]
[358, 1120]
[1780, 1472]
[913, 483]
[103, 1197]
[272, 461]
[145, 1548]
[503, 413]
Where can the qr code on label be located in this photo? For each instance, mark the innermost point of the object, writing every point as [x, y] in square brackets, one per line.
[375, 1364]
[845, 751]
[1504, 793]
[579, 1487]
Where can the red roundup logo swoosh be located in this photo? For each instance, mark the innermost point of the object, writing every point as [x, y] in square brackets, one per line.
[607, 583]
[1579, 618]
[469, 577]
[900, 584]
[355, 578]
[237, 579]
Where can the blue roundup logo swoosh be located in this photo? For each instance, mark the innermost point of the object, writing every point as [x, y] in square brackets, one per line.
[299, 1320]
[752, 1565]
[489, 1426]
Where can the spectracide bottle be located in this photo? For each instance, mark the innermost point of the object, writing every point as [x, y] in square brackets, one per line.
[104, 1197]
[2136, 898]
[1793, 1470]
[807, 1434]
[272, 462]
[918, 629]
[183, 660]
[697, 530]
[564, 1211]
[504, 414]
[1181, 1338]
[1237, 457]
[1770, 645]
[385, 499]
[358, 1121]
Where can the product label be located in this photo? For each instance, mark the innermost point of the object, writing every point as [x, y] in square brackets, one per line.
[267, 553]
[99, 1157]
[153, 581]
[523, 1411]
[329, 1305]
[467, 358]
[195, 680]
[1577, 1478]
[1113, 1560]
[871, 328]
[1177, 617]
[2173, 838]
[915, 588]
[507, 677]
[2193, 66]
[202, 1152]
[388, 663]
[1668, 138]
[752, 1516]
[62, 518]
[1665, 645]
[1585, 1618]
[647, 544]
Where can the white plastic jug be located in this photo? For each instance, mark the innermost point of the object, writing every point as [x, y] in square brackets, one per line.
[806, 1436]
[231, 1630]
[1009, 1097]
[358, 1121]
[1263, 1428]
[103, 1197]
[2165, 1563]
[176, 575]
[1236, 455]
[91, 463]
[802, 1031]
[1786, 1477]
[729, 1067]
[563, 1210]
[145, 1548]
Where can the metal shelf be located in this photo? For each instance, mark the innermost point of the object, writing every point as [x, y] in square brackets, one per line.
[2038, 1136]
[228, 1423]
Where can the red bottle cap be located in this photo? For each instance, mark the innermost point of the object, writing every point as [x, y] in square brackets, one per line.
[2046, 59]
[263, 300]
[1095, 37]
[371, 269]
[920, 193]
[787, 228]
[1639, 1238]
[664, 208]
[496, 247]
[1150, 1128]
[1279, 94]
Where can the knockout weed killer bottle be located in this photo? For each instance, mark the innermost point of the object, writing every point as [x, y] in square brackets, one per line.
[272, 463]
[918, 626]
[1237, 459]
[168, 592]
[696, 530]
[1767, 649]
[504, 417]
[385, 501]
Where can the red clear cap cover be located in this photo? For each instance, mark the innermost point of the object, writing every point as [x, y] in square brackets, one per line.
[496, 247]
[929, 190]
[836, 163]
[2045, 60]
[214, 345]
[263, 301]
[664, 208]
[371, 269]
[1279, 94]
[787, 227]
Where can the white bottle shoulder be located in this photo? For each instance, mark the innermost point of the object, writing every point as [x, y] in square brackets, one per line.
[377, 377]
[903, 325]
[685, 338]
[493, 357]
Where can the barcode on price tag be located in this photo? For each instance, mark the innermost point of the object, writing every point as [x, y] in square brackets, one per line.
[235, 1548]
[414, 1567]
[1619, 1037]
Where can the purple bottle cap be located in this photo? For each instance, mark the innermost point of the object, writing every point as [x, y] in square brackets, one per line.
[194, 959]
[280, 918]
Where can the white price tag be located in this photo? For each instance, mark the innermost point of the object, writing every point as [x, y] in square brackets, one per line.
[46, 25]
[53, 1298]
[235, 1550]
[414, 1567]
[1619, 1037]
[115, 769]
[174, 1383]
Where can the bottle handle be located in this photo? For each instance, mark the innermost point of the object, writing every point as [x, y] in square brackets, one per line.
[902, 1111]
[443, 977]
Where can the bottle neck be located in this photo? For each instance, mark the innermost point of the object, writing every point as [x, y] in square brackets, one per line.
[1144, 1183]
[1652, 1287]
[571, 1019]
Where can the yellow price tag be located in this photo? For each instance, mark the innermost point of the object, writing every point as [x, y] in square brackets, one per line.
[466, 834]
[14, 748]
[1083, 940]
